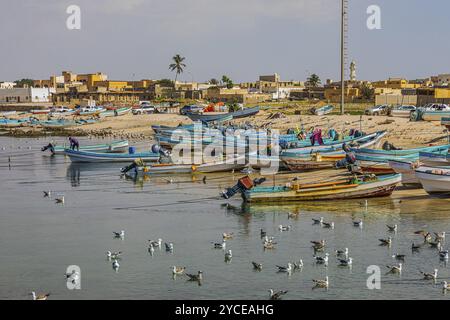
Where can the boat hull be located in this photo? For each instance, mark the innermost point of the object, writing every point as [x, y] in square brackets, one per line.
[381, 187]
[434, 180]
[95, 157]
[407, 170]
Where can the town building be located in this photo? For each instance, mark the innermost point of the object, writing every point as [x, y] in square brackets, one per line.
[24, 95]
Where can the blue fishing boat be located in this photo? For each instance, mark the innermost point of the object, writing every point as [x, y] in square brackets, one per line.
[322, 111]
[113, 147]
[223, 117]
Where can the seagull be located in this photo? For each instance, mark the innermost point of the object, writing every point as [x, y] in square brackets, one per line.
[120, 234]
[287, 269]
[318, 245]
[399, 257]
[169, 246]
[228, 255]
[156, 244]
[263, 233]
[395, 269]
[439, 236]
[276, 295]
[39, 296]
[257, 266]
[445, 286]
[436, 244]
[218, 245]
[443, 254]
[322, 260]
[268, 239]
[292, 215]
[385, 242]
[392, 228]
[318, 221]
[269, 245]
[345, 262]
[358, 223]
[298, 265]
[284, 228]
[60, 200]
[73, 276]
[227, 236]
[328, 225]
[113, 255]
[115, 265]
[342, 252]
[151, 250]
[430, 276]
[319, 283]
[426, 235]
[195, 277]
[47, 194]
[178, 270]
[415, 247]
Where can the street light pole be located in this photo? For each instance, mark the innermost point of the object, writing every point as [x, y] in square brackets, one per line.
[342, 55]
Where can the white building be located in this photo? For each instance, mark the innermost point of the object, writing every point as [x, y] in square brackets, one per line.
[7, 85]
[24, 95]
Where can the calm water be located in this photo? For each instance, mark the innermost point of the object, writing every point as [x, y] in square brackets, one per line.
[39, 238]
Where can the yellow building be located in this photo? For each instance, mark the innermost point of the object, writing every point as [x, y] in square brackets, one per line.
[395, 83]
[333, 94]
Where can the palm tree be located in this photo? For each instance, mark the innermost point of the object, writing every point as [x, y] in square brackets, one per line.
[177, 66]
[214, 81]
[227, 81]
[313, 80]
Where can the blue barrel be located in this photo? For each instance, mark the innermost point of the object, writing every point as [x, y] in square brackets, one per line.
[131, 150]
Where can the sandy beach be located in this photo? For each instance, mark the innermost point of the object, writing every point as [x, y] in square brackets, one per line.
[401, 131]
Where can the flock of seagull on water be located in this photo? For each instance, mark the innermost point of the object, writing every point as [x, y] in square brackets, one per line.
[342, 255]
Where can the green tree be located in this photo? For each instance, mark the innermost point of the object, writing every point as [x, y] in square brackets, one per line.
[214, 81]
[313, 80]
[227, 82]
[177, 66]
[367, 92]
[165, 83]
[22, 82]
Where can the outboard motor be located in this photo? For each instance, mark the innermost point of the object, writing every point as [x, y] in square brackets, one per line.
[243, 184]
[49, 147]
[349, 159]
[389, 146]
[134, 165]
[156, 148]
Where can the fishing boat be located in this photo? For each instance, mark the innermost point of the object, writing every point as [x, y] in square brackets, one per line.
[434, 158]
[336, 147]
[399, 153]
[322, 111]
[407, 170]
[113, 147]
[372, 169]
[7, 113]
[115, 112]
[316, 161]
[41, 111]
[13, 123]
[88, 156]
[373, 186]
[223, 116]
[435, 180]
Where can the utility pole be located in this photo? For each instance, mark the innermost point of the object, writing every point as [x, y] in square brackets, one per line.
[344, 7]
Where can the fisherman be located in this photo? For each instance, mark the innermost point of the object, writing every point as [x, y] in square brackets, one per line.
[137, 163]
[316, 136]
[74, 144]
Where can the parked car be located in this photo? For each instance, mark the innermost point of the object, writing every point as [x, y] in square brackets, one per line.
[191, 109]
[61, 109]
[377, 110]
[144, 109]
[437, 107]
[403, 111]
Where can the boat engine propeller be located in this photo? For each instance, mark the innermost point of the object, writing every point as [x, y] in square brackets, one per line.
[243, 184]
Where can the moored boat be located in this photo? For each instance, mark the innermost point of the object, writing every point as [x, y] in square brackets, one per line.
[435, 180]
[322, 111]
[314, 162]
[113, 147]
[374, 186]
[88, 156]
[407, 170]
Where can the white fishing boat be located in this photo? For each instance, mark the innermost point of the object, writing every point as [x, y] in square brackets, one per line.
[434, 159]
[407, 170]
[233, 163]
[435, 180]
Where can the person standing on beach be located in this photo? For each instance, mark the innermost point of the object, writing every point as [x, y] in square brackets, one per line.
[74, 144]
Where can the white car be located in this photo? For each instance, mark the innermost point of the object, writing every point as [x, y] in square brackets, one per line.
[144, 109]
[377, 110]
[61, 109]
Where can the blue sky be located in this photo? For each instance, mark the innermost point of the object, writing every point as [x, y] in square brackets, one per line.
[240, 38]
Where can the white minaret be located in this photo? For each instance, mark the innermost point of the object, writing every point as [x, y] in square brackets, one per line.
[353, 71]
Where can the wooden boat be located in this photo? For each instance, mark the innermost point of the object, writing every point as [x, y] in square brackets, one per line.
[113, 147]
[334, 190]
[223, 116]
[115, 112]
[434, 158]
[87, 156]
[435, 180]
[14, 123]
[316, 161]
[399, 153]
[335, 148]
[407, 170]
[322, 111]
[41, 111]
[372, 169]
